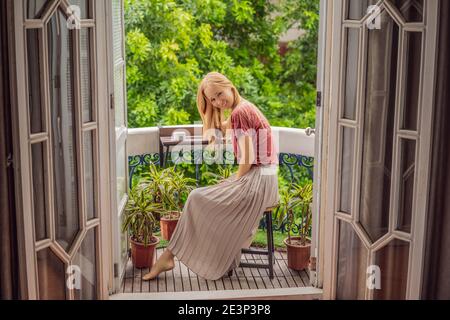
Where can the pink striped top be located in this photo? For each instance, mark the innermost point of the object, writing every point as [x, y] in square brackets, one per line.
[247, 119]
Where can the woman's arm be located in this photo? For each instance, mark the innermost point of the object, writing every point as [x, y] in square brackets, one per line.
[247, 158]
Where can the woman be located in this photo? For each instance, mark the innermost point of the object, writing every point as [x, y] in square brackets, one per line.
[218, 221]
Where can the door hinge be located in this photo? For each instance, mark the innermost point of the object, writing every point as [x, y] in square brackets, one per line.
[112, 102]
[319, 99]
[9, 161]
[116, 270]
[57, 83]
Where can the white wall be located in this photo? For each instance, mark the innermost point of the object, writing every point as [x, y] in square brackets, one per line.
[287, 140]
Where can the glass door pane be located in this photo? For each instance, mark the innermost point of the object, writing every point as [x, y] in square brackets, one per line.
[393, 263]
[86, 260]
[51, 276]
[352, 264]
[64, 130]
[35, 8]
[35, 107]
[381, 90]
[40, 195]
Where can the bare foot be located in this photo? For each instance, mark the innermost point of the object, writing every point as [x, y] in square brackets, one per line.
[164, 263]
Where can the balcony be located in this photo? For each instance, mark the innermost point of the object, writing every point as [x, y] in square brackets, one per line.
[296, 151]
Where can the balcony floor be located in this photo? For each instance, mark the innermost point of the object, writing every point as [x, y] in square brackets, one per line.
[181, 279]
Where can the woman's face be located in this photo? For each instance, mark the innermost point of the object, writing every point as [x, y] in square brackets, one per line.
[219, 97]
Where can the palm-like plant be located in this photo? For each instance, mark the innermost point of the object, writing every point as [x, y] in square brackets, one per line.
[174, 190]
[139, 218]
[152, 182]
[295, 199]
[305, 196]
[168, 188]
[223, 172]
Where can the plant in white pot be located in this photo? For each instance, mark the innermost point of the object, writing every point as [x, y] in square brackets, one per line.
[295, 206]
[139, 221]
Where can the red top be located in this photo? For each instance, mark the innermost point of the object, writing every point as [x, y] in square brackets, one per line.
[247, 119]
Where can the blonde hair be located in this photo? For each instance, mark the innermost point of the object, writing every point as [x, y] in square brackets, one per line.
[212, 117]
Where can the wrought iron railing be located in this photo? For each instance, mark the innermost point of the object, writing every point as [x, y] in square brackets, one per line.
[293, 167]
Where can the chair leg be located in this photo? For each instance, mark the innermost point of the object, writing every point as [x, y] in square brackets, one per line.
[270, 245]
[273, 242]
[230, 273]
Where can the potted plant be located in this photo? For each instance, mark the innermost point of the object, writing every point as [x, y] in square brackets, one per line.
[152, 183]
[139, 221]
[296, 206]
[223, 172]
[169, 188]
[174, 191]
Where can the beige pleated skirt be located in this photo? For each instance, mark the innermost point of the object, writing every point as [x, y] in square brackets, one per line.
[219, 220]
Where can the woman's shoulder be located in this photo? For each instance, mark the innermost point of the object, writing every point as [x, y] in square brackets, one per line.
[244, 106]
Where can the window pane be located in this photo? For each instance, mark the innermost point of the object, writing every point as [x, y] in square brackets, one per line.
[117, 16]
[393, 263]
[119, 64]
[89, 175]
[85, 69]
[346, 174]
[123, 244]
[36, 8]
[64, 131]
[357, 9]
[121, 174]
[412, 10]
[84, 8]
[38, 159]
[413, 47]
[352, 264]
[51, 276]
[379, 127]
[36, 111]
[351, 73]
[85, 259]
[119, 100]
[406, 195]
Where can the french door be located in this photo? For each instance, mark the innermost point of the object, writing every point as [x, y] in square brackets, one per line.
[381, 87]
[63, 137]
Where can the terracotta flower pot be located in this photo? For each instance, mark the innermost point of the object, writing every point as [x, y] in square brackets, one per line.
[298, 255]
[143, 256]
[168, 225]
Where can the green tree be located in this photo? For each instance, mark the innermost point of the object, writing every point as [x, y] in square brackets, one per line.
[171, 45]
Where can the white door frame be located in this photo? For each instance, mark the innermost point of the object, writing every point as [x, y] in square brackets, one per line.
[104, 114]
[329, 210]
[118, 139]
[323, 66]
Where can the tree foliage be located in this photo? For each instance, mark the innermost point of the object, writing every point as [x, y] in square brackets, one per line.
[171, 45]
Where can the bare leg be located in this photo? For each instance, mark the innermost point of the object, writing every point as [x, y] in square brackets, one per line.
[164, 263]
